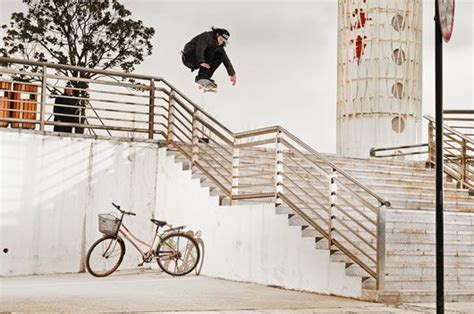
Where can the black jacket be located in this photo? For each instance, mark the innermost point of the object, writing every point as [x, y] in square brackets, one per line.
[206, 44]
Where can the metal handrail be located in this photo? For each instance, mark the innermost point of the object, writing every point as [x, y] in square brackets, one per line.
[461, 119]
[5, 60]
[457, 146]
[196, 106]
[381, 200]
[461, 171]
[348, 210]
[186, 125]
[373, 151]
[450, 129]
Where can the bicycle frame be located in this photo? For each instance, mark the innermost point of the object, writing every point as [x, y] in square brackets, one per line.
[124, 232]
[135, 241]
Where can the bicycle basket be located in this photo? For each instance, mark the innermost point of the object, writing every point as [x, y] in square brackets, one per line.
[108, 224]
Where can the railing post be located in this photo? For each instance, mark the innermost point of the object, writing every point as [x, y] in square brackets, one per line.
[171, 118]
[381, 247]
[195, 139]
[333, 200]
[278, 169]
[235, 169]
[151, 112]
[43, 98]
[463, 163]
[431, 143]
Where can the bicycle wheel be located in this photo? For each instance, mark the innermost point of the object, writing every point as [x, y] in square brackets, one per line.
[105, 256]
[178, 254]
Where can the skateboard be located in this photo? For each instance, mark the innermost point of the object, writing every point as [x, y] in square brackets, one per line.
[207, 86]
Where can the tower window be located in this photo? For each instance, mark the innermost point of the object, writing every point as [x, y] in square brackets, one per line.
[398, 90]
[398, 22]
[398, 124]
[398, 56]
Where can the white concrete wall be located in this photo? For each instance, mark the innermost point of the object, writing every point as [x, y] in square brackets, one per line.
[52, 189]
[248, 242]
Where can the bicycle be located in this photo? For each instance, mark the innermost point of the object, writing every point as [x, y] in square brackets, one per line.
[168, 248]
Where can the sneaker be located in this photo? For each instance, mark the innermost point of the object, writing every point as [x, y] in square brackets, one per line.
[206, 83]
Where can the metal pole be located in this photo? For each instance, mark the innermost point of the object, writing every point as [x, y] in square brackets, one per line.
[43, 98]
[464, 165]
[381, 247]
[235, 169]
[332, 197]
[195, 140]
[439, 164]
[278, 169]
[431, 145]
[171, 113]
[151, 110]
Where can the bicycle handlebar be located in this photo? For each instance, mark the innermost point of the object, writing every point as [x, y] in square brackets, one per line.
[122, 211]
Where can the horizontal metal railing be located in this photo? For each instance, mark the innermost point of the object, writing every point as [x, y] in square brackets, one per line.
[317, 190]
[104, 103]
[458, 153]
[461, 120]
[268, 163]
[399, 151]
[458, 147]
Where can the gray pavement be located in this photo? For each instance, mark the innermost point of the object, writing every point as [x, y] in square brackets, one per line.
[152, 291]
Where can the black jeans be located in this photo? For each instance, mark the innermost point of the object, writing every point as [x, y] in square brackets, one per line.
[213, 57]
[78, 119]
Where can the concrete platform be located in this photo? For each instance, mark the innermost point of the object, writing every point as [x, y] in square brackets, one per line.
[152, 291]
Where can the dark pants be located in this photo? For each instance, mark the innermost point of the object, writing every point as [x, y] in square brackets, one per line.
[213, 58]
[62, 128]
[79, 119]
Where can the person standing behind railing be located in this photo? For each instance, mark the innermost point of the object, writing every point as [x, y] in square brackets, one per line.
[66, 110]
[206, 52]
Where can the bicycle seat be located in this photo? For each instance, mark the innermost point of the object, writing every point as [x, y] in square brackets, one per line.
[159, 223]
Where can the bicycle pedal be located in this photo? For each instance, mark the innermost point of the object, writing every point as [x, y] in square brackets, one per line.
[140, 264]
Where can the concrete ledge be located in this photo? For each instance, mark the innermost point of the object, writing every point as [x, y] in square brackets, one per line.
[161, 143]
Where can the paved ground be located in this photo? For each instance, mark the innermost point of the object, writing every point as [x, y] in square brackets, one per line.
[156, 292]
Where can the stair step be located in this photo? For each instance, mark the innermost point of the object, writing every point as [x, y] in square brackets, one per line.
[356, 271]
[423, 216]
[408, 226]
[321, 243]
[428, 285]
[417, 296]
[412, 270]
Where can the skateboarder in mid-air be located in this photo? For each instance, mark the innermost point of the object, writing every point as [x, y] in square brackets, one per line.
[206, 52]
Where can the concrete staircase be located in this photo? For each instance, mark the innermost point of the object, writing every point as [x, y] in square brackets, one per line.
[410, 238]
[249, 242]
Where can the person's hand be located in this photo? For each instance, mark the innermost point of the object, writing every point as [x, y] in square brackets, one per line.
[205, 65]
[233, 79]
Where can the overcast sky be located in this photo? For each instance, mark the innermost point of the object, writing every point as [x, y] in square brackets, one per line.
[284, 53]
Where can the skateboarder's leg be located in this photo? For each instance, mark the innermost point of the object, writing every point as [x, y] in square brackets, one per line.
[189, 61]
[214, 60]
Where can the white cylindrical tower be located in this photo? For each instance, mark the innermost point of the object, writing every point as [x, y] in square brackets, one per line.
[379, 75]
